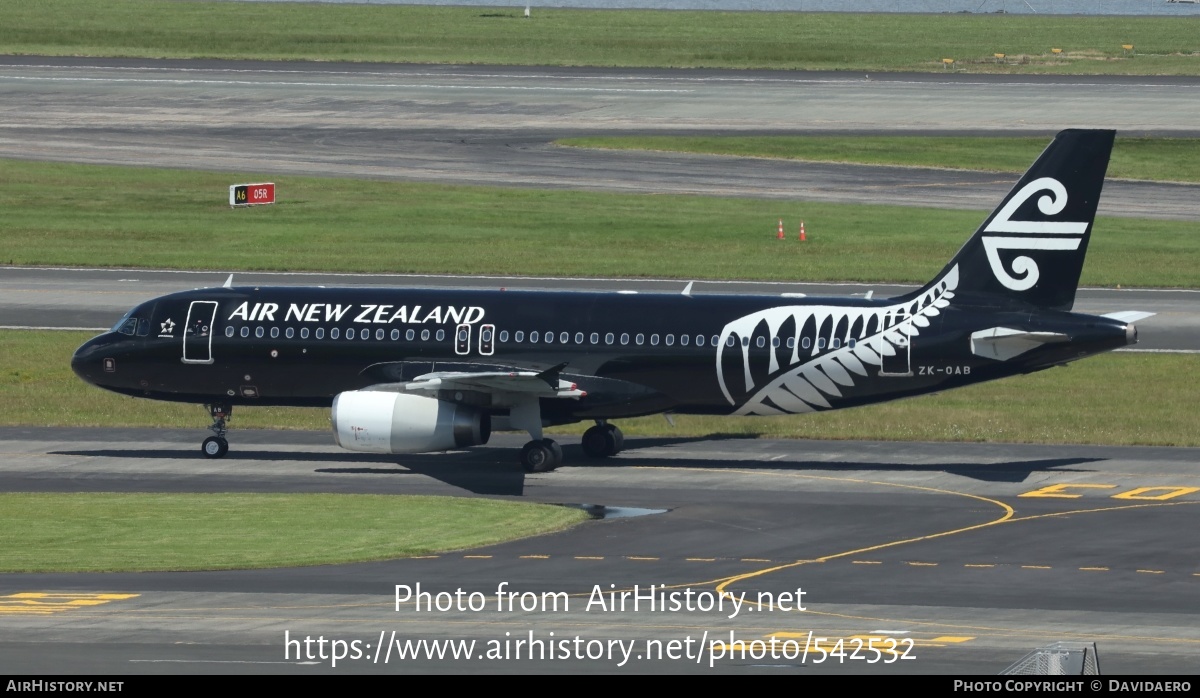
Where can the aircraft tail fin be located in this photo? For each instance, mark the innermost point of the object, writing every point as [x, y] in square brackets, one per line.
[1030, 250]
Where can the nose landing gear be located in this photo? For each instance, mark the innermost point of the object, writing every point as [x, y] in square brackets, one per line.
[216, 446]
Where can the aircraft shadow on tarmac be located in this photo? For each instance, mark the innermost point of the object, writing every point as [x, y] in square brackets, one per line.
[489, 472]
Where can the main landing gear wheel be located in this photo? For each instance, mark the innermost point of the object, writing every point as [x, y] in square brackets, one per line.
[214, 447]
[541, 456]
[603, 441]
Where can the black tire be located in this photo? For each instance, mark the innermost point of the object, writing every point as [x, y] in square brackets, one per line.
[536, 457]
[214, 447]
[618, 439]
[556, 451]
[595, 443]
[599, 441]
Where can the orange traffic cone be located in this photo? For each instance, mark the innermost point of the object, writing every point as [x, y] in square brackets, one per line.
[803, 237]
[780, 235]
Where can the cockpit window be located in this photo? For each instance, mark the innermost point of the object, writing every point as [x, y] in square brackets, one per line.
[127, 326]
[143, 327]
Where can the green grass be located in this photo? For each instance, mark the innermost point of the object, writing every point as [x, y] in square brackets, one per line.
[1110, 399]
[787, 40]
[1162, 159]
[85, 215]
[107, 532]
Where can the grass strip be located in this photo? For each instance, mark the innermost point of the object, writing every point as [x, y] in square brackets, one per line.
[1114, 399]
[1161, 159]
[628, 38]
[84, 215]
[124, 532]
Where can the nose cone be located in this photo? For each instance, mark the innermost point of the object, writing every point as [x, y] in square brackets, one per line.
[87, 362]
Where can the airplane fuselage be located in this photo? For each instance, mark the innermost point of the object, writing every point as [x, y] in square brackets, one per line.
[632, 354]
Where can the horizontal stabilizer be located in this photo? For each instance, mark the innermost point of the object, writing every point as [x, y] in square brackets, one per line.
[1128, 316]
[1003, 343]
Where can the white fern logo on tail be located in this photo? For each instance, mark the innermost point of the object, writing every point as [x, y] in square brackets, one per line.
[817, 373]
[1062, 235]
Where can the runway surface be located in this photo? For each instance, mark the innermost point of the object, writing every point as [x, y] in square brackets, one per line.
[496, 125]
[962, 556]
[975, 553]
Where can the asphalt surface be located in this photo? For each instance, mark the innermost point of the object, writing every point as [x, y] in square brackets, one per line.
[930, 549]
[496, 125]
[940, 545]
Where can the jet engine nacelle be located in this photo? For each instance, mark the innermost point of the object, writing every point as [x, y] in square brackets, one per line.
[382, 422]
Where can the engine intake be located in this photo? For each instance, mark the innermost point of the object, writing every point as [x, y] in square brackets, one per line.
[381, 422]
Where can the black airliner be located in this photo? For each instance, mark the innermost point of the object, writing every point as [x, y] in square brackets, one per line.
[415, 370]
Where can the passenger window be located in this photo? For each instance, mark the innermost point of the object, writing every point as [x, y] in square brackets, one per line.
[699, 340]
[852, 343]
[654, 340]
[289, 332]
[624, 338]
[761, 342]
[258, 332]
[303, 333]
[836, 343]
[229, 331]
[670, 339]
[533, 337]
[806, 343]
[349, 333]
[639, 339]
[441, 334]
[595, 338]
[378, 334]
[424, 335]
[335, 333]
[565, 337]
[410, 335]
[519, 336]
[320, 333]
[791, 343]
[395, 335]
[503, 335]
[608, 338]
[821, 343]
[716, 340]
[775, 342]
[274, 333]
[746, 341]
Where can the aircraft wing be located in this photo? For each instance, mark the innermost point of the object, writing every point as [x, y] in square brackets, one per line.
[528, 383]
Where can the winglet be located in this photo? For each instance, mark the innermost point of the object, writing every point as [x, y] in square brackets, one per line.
[687, 290]
[550, 375]
[228, 282]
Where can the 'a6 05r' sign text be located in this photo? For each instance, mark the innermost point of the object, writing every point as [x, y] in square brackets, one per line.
[251, 194]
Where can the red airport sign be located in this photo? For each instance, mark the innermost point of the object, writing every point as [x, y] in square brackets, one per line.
[252, 194]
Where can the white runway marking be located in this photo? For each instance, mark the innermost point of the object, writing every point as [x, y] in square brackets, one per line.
[399, 86]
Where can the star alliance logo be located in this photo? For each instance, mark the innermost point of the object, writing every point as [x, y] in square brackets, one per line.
[167, 328]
